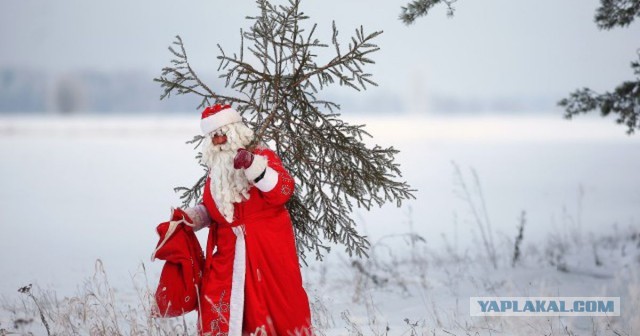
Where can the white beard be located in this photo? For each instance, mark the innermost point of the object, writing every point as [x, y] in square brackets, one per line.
[228, 185]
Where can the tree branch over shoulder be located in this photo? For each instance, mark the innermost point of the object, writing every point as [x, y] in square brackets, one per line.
[279, 79]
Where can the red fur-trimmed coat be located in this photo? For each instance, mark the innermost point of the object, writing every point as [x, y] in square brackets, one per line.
[252, 275]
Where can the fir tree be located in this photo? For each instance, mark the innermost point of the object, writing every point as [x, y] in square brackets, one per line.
[623, 101]
[277, 80]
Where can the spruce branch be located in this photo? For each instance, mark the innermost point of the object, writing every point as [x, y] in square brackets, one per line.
[624, 102]
[418, 8]
[620, 13]
[181, 79]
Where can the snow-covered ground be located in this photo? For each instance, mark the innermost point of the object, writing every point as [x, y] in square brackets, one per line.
[74, 190]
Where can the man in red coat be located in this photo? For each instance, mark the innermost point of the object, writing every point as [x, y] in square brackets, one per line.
[251, 281]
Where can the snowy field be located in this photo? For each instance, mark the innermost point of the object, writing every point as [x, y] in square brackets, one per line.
[75, 190]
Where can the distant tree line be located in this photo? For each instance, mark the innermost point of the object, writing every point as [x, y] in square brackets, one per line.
[28, 90]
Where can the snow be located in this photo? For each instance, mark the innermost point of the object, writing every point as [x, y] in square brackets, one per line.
[77, 189]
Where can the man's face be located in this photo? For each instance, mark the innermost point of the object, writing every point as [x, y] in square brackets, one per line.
[219, 137]
[227, 138]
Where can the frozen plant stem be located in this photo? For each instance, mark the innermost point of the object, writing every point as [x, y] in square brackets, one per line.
[27, 290]
[516, 247]
[482, 220]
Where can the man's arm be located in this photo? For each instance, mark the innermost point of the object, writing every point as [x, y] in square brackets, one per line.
[265, 170]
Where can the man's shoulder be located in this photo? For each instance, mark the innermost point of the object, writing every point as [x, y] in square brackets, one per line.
[264, 150]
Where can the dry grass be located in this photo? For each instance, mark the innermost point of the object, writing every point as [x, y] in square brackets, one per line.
[96, 310]
[359, 296]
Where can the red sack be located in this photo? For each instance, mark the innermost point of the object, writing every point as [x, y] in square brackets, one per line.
[181, 276]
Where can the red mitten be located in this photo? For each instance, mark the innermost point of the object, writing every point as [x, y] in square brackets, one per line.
[243, 159]
[254, 165]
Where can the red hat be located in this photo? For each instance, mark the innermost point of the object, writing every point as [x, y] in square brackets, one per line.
[181, 275]
[216, 116]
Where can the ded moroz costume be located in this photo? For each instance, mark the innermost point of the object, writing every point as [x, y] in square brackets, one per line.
[251, 274]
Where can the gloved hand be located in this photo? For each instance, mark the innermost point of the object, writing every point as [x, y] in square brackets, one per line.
[254, 165]
[243, 159]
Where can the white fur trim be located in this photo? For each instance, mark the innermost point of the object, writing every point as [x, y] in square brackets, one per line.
[199, 216]
[236, 303]
[268, 181]
[257, 167]
[224, 117]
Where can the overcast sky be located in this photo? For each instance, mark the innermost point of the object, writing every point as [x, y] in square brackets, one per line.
[489, 48]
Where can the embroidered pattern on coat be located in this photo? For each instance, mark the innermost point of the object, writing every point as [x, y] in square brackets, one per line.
[219, 309]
